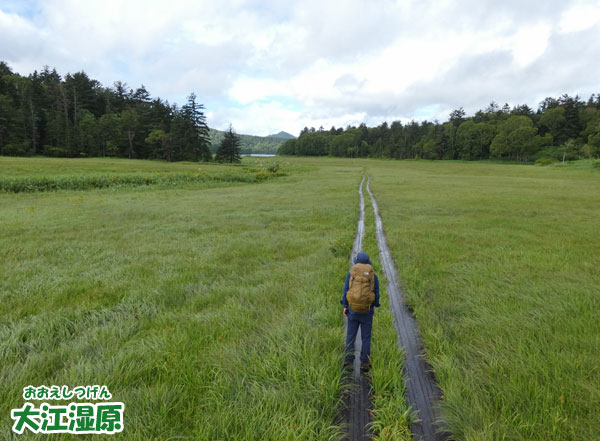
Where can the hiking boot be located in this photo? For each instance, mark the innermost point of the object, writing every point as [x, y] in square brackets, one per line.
[348, 363]
[365, 366]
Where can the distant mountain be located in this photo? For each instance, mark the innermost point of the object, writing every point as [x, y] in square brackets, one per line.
[250, 143]
[282, 135]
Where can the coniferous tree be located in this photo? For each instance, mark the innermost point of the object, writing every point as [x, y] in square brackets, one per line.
[76, 116]
[193, 130]
[229, 150]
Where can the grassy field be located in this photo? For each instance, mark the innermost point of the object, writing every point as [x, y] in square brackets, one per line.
[211, 309]
[500, 263]
[211, 313]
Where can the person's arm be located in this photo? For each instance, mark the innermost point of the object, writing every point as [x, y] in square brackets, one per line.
[344, 301]
[376, 291]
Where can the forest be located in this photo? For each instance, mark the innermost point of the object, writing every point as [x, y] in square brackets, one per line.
[75, 116]
[564, 128]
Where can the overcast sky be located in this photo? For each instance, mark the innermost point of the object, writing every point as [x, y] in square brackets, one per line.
[271, 65]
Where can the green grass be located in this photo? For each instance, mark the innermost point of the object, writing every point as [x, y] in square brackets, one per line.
[212, 313]
[500, 263]
[212, 310]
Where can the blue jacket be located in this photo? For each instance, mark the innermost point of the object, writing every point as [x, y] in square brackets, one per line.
[361, 258]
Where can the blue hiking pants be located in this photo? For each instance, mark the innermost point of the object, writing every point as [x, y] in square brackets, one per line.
[365, 322]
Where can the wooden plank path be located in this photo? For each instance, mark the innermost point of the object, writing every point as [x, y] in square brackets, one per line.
[424, 394]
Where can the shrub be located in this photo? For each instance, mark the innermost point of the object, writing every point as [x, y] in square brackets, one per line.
[112, 149]
[546, 161]
[553, 152]
[16, 149]
[56, 152]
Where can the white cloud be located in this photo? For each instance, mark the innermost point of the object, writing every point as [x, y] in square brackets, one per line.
[273, 116]
[13, 30]
[580, 17]
[269, 65]
[247, 90]
[530, 43]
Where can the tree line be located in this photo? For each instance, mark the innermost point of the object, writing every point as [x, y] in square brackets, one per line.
[75, 116]
[561, 128]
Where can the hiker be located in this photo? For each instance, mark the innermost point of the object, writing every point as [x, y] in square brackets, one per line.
[360, 298]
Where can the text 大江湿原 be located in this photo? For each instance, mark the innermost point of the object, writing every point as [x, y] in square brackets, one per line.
[77, 418]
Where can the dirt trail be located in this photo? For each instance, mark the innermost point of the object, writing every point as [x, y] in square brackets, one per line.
[423, 392]
[358, 403]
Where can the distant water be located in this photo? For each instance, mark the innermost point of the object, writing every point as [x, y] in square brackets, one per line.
[260, 154]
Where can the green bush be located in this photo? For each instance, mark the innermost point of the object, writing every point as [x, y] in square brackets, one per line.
[56, 152]
[557, 152]
[112, 149]
[546, 161]
[267, 169]
[16, 149]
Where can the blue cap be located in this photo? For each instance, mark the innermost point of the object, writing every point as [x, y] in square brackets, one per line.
[362, 258]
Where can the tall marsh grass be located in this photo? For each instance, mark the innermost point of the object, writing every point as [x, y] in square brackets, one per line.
[249, 174]
[498, 262]
[212, 313]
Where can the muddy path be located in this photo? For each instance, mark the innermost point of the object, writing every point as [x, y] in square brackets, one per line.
[423, 392]
[358, 402]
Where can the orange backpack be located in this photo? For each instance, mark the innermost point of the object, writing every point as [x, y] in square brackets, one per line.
[361, 288]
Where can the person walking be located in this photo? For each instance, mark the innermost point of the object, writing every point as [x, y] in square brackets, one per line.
[360, 298]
